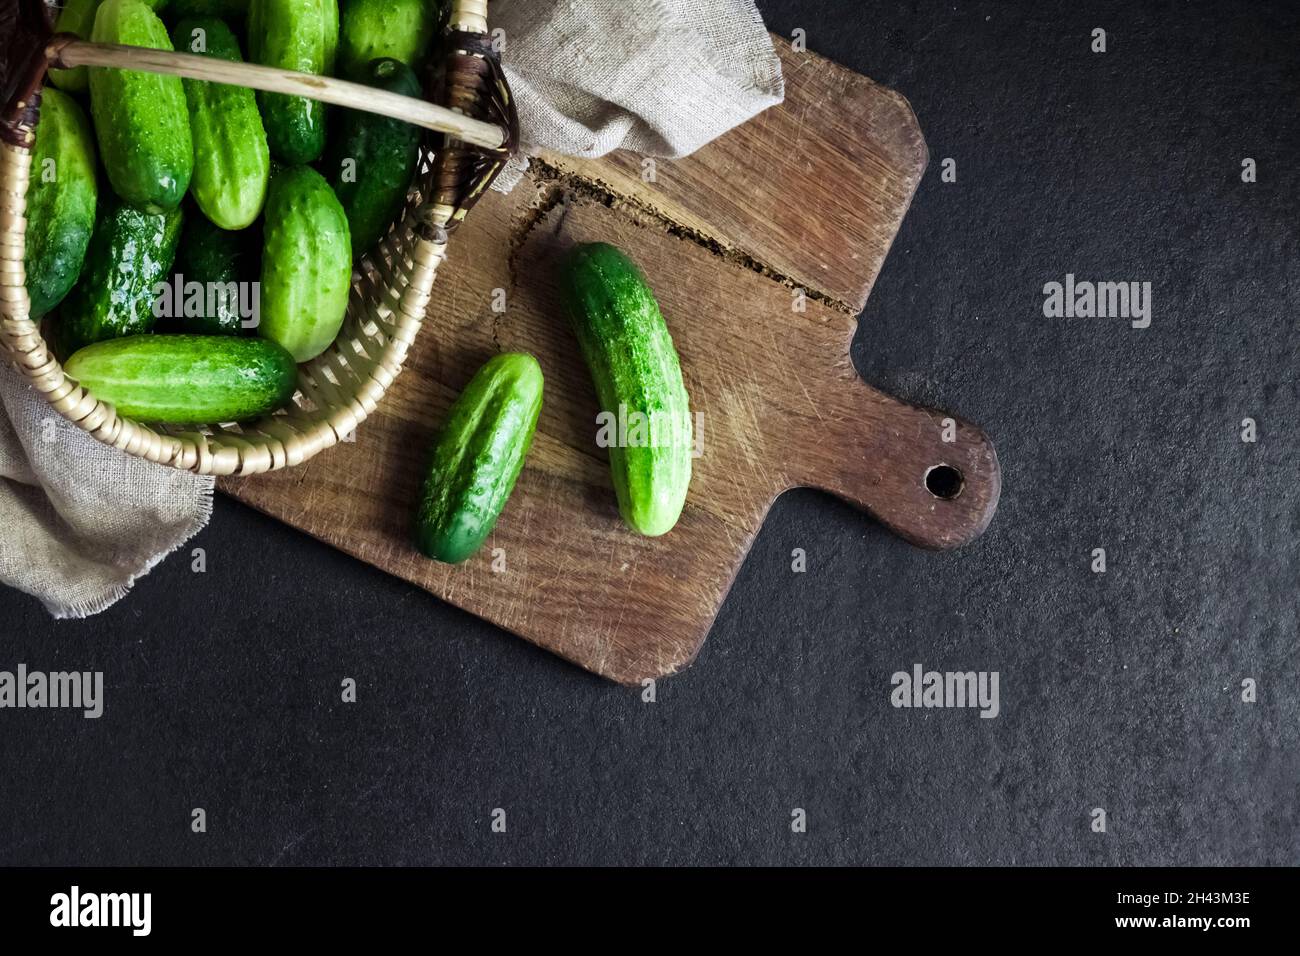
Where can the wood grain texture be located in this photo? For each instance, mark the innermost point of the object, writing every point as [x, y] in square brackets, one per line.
[812, 191]
[725, 239]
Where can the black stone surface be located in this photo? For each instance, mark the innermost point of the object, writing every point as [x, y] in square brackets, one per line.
[1119, 690]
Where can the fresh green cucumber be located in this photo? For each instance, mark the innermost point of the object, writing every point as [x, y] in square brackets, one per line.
[299, 35]
[478, 456]
[216, 271]
[373, 158]
[371, 29]
[141, 119]
[130, 253]
[187, 379]
[306, 263]
[645, 419]
[78, 18]
[231, 161]
[226, 9]
[61, 197]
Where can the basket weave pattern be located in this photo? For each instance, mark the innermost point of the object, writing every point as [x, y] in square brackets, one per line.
[391, 286]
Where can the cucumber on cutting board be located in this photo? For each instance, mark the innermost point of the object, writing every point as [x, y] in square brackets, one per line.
[372, 159]
[141, 119]
[477, 457]
[299, 35]
[187, 379]
[638, 379]
[306, 263]
[130, 252]
[374, 29]
[232, 163]
[61, 199]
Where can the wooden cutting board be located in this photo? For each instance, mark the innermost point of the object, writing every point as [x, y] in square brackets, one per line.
[761, 249]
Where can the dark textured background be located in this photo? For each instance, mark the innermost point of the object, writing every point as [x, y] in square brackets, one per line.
[1118, 690]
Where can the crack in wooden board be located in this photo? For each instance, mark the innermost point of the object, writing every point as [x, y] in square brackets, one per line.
[826, 178]
[565, 184]
[780, 403]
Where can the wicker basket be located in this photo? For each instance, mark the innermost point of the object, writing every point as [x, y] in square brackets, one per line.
[475, 131]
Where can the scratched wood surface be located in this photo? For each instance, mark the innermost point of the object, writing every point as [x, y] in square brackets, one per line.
[808, 197]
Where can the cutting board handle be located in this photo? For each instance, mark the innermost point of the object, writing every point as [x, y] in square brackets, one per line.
[930, 477]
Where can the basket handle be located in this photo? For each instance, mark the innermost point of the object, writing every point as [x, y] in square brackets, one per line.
[66, 51]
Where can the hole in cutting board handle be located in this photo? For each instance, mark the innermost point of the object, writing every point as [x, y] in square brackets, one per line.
[944, 482]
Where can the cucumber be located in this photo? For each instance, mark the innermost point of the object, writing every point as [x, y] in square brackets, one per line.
[299, 35]
[638, 380]
[61, 197]
[130, 252]
[187, 379]
[306, 263]
[141, 119]
[371, 29]
[477, 457]
[78, 18]
[231, 161]
[371, 162]
[226, 9]
[221, 261]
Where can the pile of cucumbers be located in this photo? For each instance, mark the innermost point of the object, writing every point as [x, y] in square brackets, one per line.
[172, 183]
[214, 191]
